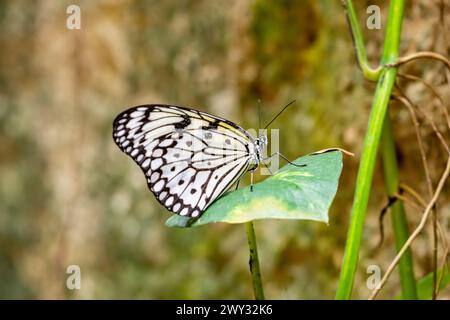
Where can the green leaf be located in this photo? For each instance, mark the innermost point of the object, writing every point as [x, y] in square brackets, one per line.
[292, 192]
[425, 285]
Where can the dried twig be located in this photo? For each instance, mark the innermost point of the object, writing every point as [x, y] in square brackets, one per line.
[433, 91]
[421, 55]
[384, 210]
[416, 232]
[409, 105]
[408, 201]
[414, 193]
[422, 205]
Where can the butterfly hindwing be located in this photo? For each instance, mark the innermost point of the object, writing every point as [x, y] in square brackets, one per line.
[189, 157]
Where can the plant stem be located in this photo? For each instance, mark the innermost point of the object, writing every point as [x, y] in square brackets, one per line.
[369, 153]
[390, 170]
[358, 43]
[399, 223]
[254, 262]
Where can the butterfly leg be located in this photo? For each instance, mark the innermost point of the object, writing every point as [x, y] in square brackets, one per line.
[286, 159]
[251, 181]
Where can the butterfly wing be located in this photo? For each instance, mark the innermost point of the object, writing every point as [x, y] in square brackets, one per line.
[189, 157]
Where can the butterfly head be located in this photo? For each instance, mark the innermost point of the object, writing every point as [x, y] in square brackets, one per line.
[260, 143]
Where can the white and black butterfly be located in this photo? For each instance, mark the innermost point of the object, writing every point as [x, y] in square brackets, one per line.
[190, 158]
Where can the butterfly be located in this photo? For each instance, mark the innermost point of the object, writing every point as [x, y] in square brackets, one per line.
[189, 157]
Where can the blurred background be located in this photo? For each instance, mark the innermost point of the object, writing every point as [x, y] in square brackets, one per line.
[69, 196]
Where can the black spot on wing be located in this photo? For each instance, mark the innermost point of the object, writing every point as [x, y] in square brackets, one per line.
[214, 125]
[183, 123]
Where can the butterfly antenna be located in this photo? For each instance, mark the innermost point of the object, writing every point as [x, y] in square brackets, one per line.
[279, 113]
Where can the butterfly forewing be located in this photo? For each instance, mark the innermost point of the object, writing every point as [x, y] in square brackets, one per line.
[189, 157]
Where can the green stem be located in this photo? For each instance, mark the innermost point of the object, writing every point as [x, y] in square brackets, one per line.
[358, 42]
[254, 262]
[390, 170]
[380, 103]
[399, 222]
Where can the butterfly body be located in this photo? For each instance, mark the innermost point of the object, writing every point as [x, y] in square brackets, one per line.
[189, 157]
